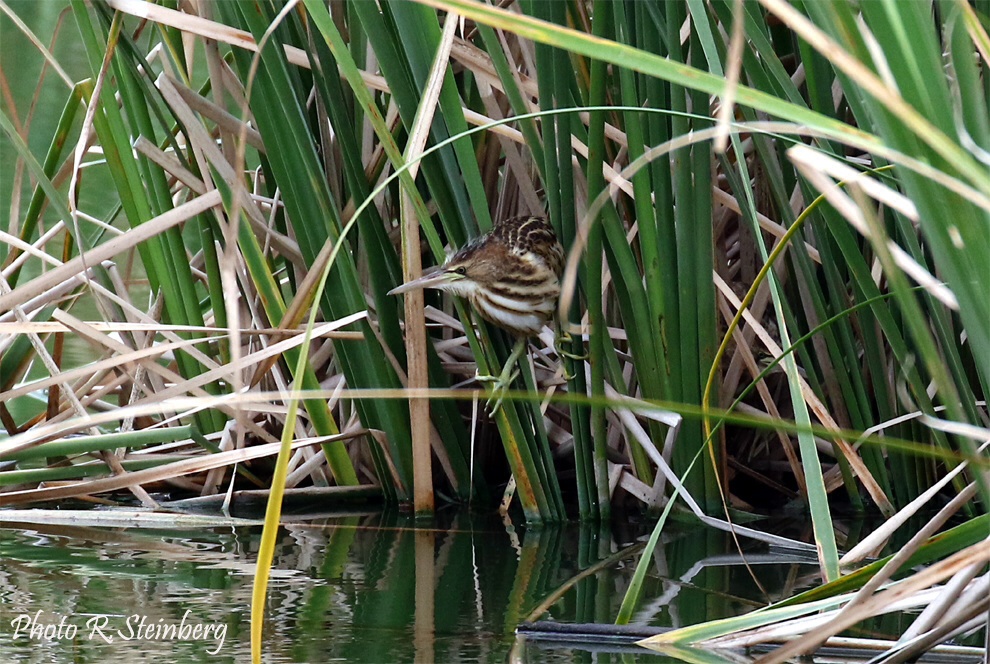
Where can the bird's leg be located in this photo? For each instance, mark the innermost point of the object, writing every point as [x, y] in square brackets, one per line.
[558, 345]
[504, 380]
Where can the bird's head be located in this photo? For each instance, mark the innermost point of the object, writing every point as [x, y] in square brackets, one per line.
[474, 266]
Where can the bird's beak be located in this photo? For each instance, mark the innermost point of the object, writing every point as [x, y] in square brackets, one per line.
[429, 280]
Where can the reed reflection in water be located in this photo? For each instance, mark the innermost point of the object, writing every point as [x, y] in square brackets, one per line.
[359, 587]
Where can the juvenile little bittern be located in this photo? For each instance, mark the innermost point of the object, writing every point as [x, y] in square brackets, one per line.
[511, 276]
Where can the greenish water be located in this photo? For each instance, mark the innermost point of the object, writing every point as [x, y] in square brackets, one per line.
[373, 587]
[363, 588]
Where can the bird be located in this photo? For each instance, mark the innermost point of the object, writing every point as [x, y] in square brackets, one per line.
[511, 277]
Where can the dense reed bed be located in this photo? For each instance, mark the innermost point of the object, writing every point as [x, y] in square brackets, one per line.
[777, 218]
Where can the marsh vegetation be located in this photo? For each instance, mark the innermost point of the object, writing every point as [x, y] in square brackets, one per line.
[776, 218]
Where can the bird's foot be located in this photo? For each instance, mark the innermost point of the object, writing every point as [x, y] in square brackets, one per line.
[558, 345]
[499, 388]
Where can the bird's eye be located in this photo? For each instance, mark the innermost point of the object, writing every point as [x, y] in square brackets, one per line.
[461, 270]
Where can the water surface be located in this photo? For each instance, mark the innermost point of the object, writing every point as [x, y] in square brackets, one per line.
[363, 588]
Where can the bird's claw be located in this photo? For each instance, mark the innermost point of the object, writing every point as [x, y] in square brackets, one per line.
[493, 408]
[568, 376]
[499, 388]
[558, 346]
